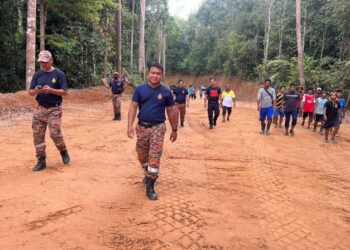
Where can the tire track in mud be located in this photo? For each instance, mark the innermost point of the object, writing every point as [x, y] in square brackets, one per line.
[280, 220]
[176, 218]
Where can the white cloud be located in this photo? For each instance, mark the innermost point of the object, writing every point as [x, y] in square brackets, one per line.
[183, 8]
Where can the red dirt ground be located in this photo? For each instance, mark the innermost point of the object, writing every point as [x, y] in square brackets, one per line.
[229, 188]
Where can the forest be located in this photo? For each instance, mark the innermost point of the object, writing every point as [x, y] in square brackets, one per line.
[247, 39]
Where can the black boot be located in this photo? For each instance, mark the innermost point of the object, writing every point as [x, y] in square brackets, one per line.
[115, 117]
[65, 157]
[144, 181]
[41, 164]
[119, 117]
[151, 194]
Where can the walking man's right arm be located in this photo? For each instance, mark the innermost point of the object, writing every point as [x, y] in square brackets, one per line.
[131, 118]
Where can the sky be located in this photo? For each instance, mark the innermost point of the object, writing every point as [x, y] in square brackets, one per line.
[183, 8]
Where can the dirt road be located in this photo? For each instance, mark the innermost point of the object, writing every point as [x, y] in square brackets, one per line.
[230, 188]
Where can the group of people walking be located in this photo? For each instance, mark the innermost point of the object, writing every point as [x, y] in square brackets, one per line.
[320, 108]
[151, 101]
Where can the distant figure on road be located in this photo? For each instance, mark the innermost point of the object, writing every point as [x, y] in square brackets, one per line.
[332, 112]
[181, 102]
[342, 103]
[117, 86]
[211, 100]
[308, 105]
[291, 99]
[266, 101]
[228, 101]
[152, 99]
[191, 92]
[320, 102]
[49, 85]
[279, 113]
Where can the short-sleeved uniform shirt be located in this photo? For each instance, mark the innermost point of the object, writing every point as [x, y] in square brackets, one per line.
[180, 95]
[117, 86]
[55, 79]
[227, 98]
[152, 102]
[332, 111]
[213, 94]
[265, 99]
[291, 100]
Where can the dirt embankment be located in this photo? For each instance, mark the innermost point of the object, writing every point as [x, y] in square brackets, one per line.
[245, 91]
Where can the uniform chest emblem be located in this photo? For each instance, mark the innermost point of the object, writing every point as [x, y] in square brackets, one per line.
[160, 96]
[54, 80]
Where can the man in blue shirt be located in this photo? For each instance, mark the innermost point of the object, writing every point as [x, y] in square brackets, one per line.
[117, 87]
[181, 101]
[48, 85]
[152, 99]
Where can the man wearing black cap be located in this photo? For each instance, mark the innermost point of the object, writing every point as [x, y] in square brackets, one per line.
[48, 85]
[117, 86]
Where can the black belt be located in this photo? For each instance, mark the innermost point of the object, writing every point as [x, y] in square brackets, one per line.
[50, 105]
[148, 125]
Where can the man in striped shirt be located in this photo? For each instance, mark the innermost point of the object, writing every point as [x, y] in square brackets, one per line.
[279, 113]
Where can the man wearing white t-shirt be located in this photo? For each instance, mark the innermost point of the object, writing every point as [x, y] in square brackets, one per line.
[229, 101]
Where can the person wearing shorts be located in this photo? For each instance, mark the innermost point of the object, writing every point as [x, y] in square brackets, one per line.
[319, 117]
[331, 113]
[279, 113]
[266, 102]
[228, 101]
[308, 106]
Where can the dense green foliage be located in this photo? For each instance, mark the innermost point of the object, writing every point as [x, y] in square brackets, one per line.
[223, 37]
[227, 36]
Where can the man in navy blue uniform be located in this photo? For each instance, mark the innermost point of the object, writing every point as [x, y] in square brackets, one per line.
[152, 99]
[48, 85]
[181, 102]
[117, 87]
[211, 100]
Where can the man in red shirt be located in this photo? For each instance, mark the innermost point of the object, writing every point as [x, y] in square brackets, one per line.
[308, 105]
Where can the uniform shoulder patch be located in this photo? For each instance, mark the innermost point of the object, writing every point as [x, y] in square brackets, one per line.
[54, 80]
[160, 96]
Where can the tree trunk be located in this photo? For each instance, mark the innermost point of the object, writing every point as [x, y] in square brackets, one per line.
[142, 61]
[164, 54]
[268, 11]
[160, 49]
[119, 37]
[323, 41]
[281, 31]
[30, 51]
[42, 24]
[132, 37]
[105, 57]
[299, 43]
[304, 28]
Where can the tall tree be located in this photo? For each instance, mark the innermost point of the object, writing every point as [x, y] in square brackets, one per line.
[142, 62]
[42, 24]
[119, 36]
[267, 5]
[281, 30]
[132, 35]
[299, 43]
[30, 52]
